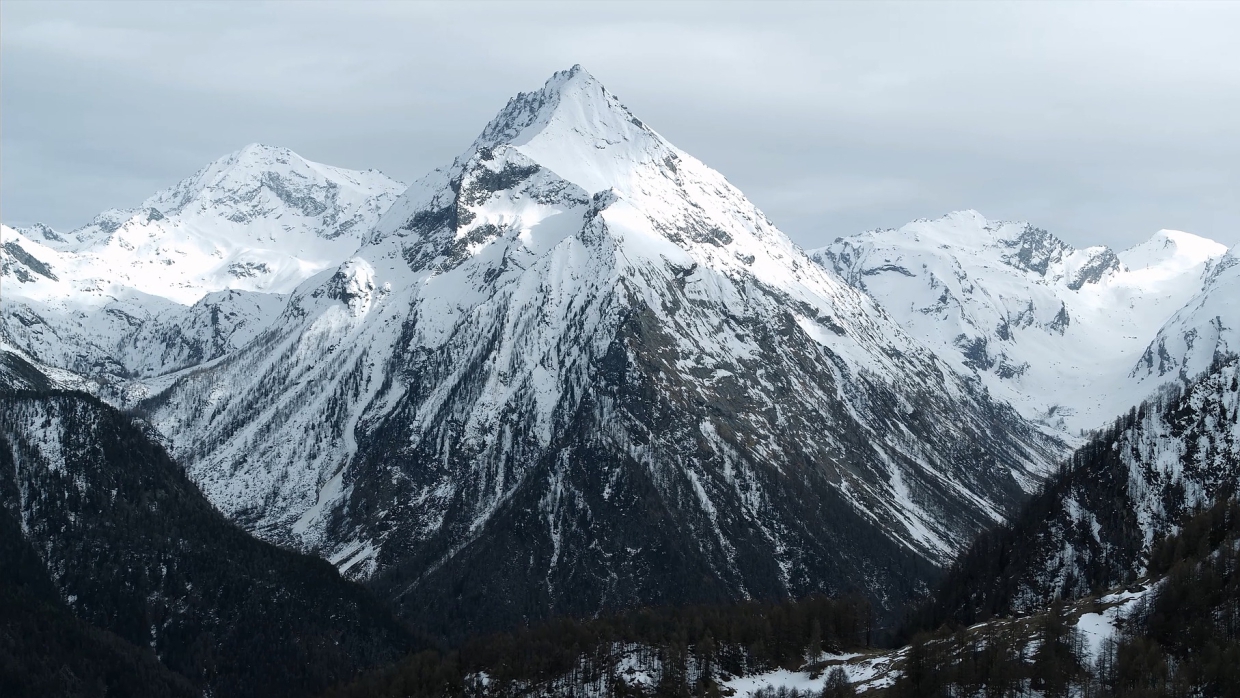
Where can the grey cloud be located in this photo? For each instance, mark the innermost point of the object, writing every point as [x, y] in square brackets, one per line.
[1101, 122]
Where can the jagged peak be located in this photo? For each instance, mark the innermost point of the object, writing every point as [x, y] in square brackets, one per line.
[968, 216]
[262, 151]
[964, 229]
[1216, 267]
[526, 113]
[236, 168]
[576, 127]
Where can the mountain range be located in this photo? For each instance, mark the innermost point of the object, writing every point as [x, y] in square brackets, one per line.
[576, 371]
[1070, 338]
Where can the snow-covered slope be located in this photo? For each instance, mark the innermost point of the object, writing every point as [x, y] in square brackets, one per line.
[1206, 328]
[579, 366]
[260, 219]
[1053, 330]
[192, 273]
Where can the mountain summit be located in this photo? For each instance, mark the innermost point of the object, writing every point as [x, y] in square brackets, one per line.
[578, 129]
[576, 369]
[191, 273]
[262, 218]
[261, 182]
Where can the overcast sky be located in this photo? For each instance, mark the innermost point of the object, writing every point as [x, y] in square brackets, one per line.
[1101, 122]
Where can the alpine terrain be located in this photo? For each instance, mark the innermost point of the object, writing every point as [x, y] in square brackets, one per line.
[194, 272]
[1095, 524]
[574, 370]
[1054, 331]
[570, 416]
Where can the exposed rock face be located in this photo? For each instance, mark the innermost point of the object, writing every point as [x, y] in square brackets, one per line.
[577, 369]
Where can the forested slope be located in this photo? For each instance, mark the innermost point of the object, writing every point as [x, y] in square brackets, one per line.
[1095, 523]
[126, 543]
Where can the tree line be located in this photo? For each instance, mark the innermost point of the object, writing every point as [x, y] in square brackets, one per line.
[684, 651]
[1181, 640]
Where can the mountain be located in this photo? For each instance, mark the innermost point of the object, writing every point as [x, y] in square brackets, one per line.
[1094, 525]
[1204, 330]
[1152, 327]
[116, 550]
[1054, 331]
[576, 369]
[1171, 633]
[177, 281]
[260, 219]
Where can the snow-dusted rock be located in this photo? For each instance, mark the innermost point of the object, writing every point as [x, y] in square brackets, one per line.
[1052, 330]
[260, 219]
[1204, 330]
[1094, 526]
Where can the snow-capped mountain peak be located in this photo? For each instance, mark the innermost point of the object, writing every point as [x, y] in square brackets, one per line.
[1169, 253]
[572, 317]
[1204, 331]
[262, 218]
[146, 290]
[578, 129]
[259, 181]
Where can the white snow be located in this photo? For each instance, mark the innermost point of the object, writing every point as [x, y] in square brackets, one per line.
[261, 219]
[111, 297]
[1097, 628]
[866, 672]
[1055, 342]
[1208, 325]
[594, 214]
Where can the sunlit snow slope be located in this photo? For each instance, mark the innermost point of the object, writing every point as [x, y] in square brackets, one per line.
[1206, 329]
[177, 281]
[577, 369]
[1055, 331]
